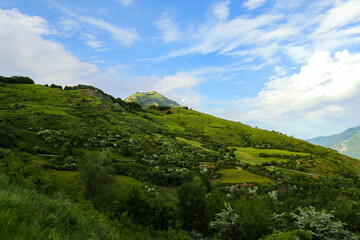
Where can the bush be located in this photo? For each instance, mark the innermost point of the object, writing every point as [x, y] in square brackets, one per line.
[17, 79]
[55, 86]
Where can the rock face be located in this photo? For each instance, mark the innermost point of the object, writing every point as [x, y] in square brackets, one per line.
[146, 99]
[347, 142]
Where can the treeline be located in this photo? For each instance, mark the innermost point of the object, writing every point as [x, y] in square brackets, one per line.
[160, 108]
[17, 79]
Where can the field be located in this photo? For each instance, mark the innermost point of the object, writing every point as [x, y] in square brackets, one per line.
[234, 176]
[251, 155]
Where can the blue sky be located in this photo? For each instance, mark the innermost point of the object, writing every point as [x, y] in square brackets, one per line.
[289, 66]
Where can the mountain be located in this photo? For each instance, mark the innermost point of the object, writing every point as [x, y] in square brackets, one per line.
[78, 163]
[151, 98]
[83, 118]
[347, 142]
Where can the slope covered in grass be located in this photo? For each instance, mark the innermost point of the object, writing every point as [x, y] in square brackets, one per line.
[153, 174]
[73, 122]
[24, 214]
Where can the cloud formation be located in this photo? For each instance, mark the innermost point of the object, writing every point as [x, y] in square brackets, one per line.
[169, 31]
[180, 80]
[24, 51]
[327, 87]
[126, 2]
[252, 4]
[123, 36]
[322, 25]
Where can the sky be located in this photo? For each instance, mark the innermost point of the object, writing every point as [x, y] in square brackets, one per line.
[288, 66]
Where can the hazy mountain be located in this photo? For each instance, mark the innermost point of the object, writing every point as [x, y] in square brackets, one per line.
[347, 142]
[151, 98]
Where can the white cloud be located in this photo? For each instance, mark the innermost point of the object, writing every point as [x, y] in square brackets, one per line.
[124, 36]
[34, 24]
[126, 2]
[25, 52]
[91, 40]
[326, 87]
[169, 31]
[342, 14]
[280, 71]
[227, 36]
[68, 27]
[305, 27]
[252, 4]
[180, 80]
[221, 10]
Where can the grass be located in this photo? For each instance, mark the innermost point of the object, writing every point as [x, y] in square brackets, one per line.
[25, 214]
[67, 182]
[234, 176]
[192, 143]
[125, 182]
[251, 155]
[168, 193]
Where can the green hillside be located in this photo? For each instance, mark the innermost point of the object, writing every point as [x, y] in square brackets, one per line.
[158, 173]
[347, 142]
[151, 98]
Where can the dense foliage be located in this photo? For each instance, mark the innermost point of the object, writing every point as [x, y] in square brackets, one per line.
[16, 79]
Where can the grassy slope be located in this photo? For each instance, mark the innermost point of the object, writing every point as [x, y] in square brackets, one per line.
[240, 176]
[25, 214]
[81, 113]
[26, 110]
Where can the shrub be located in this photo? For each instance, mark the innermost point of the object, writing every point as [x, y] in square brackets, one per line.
[17, 79]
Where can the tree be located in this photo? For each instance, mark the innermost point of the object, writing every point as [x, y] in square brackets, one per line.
[320, 225]
[254, 217]
[192, 206]
[95, 179]
[226, 222]
[17, 79]
[297, 234]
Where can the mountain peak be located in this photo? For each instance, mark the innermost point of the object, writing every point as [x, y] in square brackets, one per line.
[151, 98]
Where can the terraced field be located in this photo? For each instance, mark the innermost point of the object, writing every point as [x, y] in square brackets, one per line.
[251, 155]
[234, 176]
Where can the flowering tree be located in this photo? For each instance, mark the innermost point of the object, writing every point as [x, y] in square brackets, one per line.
[226, 222]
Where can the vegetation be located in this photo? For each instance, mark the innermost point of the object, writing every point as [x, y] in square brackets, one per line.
[77, 163]
[152, 100]
[16, 79]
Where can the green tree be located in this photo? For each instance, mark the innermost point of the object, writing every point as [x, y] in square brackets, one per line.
[320, 225]
[297, 234]
[226, 223]
[254, 217]
[192, 206]
[95, 179]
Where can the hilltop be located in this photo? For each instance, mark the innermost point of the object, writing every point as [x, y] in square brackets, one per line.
[347, 142]
[159, 173]
[146, 99]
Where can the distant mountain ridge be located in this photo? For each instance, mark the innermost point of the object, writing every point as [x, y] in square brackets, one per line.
[146, 99]
[347, 142]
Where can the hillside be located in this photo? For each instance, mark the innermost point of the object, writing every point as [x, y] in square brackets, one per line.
[159, 173]
[151, 98]
[347, 142]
